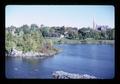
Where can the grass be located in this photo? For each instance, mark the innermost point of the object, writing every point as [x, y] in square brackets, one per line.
[77, 41]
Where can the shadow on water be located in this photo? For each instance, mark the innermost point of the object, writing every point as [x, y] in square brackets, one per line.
[33, 60]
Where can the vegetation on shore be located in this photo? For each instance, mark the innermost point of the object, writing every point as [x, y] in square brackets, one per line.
[77, 41]
[42, 39]
[28, 39]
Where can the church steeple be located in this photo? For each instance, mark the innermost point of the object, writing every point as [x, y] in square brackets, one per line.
[93, 23]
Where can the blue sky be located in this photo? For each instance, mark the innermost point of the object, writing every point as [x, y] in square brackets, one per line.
[59, 15]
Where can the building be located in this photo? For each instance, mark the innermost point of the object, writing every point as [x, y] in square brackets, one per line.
[102, 27]
[99, 27]
[94, 25]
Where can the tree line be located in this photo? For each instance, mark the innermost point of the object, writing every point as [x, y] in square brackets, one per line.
[27, 38]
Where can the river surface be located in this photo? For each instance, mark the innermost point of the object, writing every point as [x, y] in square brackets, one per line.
[92, 59]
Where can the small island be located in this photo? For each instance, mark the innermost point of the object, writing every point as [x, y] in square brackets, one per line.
[28, 42]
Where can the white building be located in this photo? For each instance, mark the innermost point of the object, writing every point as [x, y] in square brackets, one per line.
[61, 36]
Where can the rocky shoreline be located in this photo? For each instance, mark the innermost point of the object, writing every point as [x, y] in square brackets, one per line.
[66, 75]
[16, 53]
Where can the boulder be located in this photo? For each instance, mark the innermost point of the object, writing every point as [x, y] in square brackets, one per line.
[16, 53]
[66, 75]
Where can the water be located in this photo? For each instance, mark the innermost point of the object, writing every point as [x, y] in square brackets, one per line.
[92, 59]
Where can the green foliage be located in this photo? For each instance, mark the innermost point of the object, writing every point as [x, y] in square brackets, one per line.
[32, 38]
[27, 41]
[80, 36]
[72, 34]
[110, 34]
[32, 41]
[45, 31]
[96, 34]
[9, 41]
[49, 44]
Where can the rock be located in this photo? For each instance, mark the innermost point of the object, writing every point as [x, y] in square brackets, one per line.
[66, 75]
[16, 53]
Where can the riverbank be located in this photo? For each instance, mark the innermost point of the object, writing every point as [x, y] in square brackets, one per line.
[17, 53]
[77, 41]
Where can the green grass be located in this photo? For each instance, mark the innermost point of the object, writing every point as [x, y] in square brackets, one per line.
[77, 41]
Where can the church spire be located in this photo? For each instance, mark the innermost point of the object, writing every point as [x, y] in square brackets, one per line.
[93, 23]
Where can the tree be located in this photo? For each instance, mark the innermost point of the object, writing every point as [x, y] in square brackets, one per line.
[80, 36]
[82, 33]
[33, 27]
[17, 31]
[110, 34]
[30, 40]
[45, 31]
[25, 29]
[72, 33]
[41, 25]
[9, 41]
[62, 30]
[96, 35]
[51, 32]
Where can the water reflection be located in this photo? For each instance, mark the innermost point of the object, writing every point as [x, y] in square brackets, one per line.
[33, 60]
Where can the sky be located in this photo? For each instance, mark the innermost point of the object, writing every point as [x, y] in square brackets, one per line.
[60, 15]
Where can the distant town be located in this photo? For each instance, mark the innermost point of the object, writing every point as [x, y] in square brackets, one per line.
[68, 32]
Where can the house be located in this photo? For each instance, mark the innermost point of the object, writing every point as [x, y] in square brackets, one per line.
[102, 27]
[61, 36]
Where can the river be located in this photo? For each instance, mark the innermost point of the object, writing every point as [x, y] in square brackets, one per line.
[92, 59]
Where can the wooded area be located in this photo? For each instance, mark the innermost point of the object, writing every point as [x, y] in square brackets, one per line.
[32, 38]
